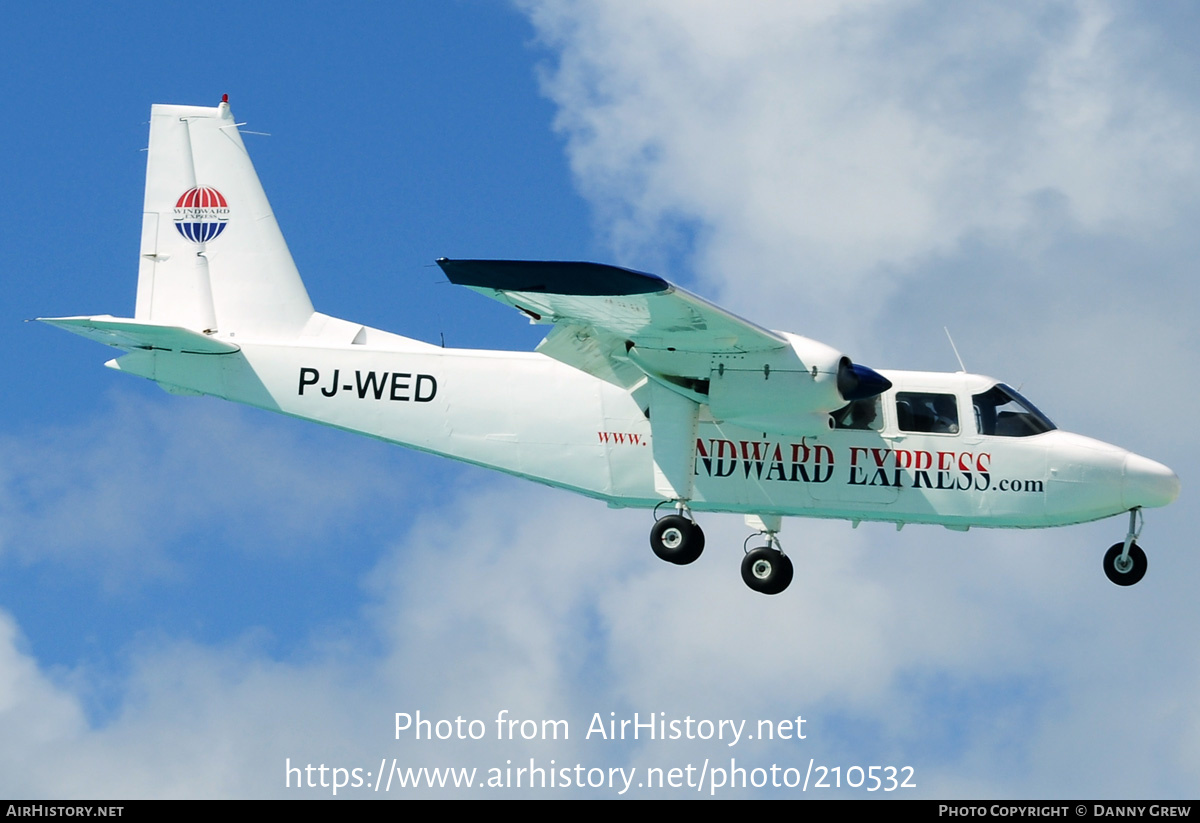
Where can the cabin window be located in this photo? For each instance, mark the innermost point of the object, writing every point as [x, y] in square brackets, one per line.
[1001, 411]
[927, 412]
[863, 415]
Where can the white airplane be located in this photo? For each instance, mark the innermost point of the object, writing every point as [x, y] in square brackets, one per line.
[641, 395]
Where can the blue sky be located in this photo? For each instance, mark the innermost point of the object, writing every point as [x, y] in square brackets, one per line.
[191, 593]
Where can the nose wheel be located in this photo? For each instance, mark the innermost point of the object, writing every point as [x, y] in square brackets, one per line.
[1125, 569]
[1125, 563]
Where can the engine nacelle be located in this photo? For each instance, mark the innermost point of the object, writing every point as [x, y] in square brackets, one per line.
[789, 391]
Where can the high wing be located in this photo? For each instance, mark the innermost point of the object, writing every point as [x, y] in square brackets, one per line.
[624, 326]
[601, 313]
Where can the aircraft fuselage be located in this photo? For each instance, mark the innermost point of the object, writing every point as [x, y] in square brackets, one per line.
[531, 416]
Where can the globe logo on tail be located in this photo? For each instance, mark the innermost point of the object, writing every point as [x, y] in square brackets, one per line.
[201, 214]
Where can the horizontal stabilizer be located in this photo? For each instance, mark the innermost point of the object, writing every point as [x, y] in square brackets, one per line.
[128, 334]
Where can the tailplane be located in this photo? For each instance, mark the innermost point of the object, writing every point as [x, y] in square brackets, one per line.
[213, 259]
[133, 334]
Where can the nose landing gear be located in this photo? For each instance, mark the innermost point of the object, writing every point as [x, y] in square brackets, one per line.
[1125, 563]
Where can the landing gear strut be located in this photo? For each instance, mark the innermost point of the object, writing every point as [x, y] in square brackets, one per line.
[676, 538]
[766, 569]
[1125, 563]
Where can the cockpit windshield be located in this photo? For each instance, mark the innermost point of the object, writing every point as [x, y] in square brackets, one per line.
[1002, 411]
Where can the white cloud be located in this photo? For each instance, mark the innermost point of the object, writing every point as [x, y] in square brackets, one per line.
[823, 153]
[974, 659]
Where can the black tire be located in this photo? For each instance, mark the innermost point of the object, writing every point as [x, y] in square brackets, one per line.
[1134, 573]
[766, 570]
[677, 540]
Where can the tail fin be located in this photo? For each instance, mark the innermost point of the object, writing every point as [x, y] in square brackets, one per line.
[212, 256]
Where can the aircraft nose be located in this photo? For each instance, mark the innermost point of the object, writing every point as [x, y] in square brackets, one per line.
[1147, 483]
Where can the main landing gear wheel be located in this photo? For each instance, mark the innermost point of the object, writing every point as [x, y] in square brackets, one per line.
[1128, 571]
[677, 539]
[766, 570]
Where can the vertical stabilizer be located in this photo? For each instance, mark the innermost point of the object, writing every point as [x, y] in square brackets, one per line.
[212, 256]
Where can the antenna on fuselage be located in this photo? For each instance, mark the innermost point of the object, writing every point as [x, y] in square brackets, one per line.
[961, 367]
